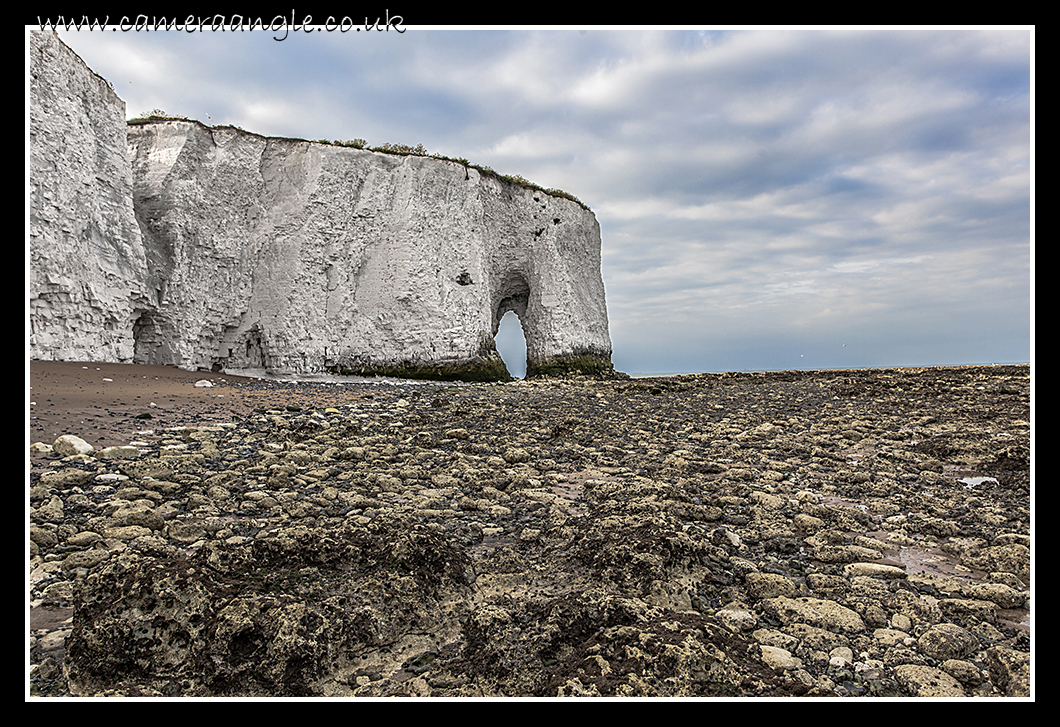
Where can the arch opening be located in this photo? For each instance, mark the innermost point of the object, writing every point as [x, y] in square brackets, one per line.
[512, 298]
[511, 344]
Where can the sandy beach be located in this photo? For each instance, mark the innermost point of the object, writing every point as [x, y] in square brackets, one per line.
[112, 404]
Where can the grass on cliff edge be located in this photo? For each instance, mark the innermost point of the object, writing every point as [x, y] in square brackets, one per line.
[421, 151]
[387, 148]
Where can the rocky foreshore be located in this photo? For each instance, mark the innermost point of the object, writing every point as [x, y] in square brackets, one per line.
[826, 534]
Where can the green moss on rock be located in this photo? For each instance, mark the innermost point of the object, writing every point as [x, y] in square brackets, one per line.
[479, 370]
[587, 365]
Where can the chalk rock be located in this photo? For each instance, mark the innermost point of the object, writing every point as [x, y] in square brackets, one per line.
[88, 269]
[69, 444]
[252, 252]
[293, 256]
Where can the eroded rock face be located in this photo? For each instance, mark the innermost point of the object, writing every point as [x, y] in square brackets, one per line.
[294, 256]
[88, 270]
[249, 252]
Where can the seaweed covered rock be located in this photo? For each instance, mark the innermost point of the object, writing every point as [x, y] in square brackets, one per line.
[274, 616]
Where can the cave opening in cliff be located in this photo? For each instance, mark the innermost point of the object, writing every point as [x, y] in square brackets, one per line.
[152, 340]
[511, 344]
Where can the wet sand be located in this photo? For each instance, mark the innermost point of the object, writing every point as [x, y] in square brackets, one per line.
[109, 404]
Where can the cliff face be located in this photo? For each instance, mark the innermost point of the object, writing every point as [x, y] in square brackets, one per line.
[87, 264]
[290, 256]
[295, 256]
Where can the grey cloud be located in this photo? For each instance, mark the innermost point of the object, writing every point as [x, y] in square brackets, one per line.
[757, 190]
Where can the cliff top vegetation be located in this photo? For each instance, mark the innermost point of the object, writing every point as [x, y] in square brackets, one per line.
[385, 148]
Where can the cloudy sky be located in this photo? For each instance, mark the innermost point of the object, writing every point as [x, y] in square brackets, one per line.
[768, 198]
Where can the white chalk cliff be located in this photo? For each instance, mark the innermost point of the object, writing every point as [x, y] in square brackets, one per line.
[212, 247]
[88, 271]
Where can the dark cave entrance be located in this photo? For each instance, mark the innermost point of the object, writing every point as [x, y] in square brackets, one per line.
[152, 340]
